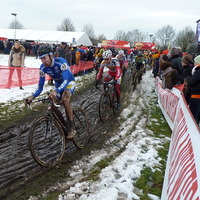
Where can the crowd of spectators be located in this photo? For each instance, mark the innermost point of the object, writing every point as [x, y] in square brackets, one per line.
[174, 67]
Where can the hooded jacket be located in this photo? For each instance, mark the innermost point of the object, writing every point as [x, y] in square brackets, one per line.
[16, 56]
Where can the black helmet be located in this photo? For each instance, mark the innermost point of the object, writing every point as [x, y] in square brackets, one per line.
[44, 50]
[139, 54]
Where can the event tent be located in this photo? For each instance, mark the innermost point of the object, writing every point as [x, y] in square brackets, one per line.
[49, 36]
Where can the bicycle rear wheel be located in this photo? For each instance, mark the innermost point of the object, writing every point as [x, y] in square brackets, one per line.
[46, 141]
[104, 106]
[82, 128]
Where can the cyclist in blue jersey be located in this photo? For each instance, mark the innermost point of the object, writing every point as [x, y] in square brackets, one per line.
[59, 70]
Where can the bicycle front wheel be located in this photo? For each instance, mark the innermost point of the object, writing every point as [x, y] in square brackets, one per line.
[82, 128]
[114, 103]
[46, 141]
[104, 106]
[135, 82]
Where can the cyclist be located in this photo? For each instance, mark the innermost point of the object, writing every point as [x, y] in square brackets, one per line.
[114, 71]
[122, 61]
[59, 70]
[139, 65]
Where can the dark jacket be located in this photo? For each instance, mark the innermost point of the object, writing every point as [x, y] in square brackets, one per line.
[61, 52]
[156, 67]
[194, 82]
[68, 57]
[187, 74]
[176, 64]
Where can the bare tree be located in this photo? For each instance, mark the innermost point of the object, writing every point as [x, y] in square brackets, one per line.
[136, 36]
[165, 35]
[184, 38]
[101, 37]
[18, 25]
[66, 25]
[88, 28]
[121, 35]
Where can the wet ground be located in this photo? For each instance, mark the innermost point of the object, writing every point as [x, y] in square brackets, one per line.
[17, 166]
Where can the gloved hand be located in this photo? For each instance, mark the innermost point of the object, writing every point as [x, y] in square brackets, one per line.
[28, 101]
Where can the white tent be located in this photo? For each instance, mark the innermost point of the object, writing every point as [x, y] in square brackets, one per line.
[49, 36]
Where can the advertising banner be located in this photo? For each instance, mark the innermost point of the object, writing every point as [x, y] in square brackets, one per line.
[116, 44]
[197, 38]
[145, 46]
[182, 174]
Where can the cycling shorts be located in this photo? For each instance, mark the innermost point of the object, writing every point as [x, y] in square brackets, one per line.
[71, 87]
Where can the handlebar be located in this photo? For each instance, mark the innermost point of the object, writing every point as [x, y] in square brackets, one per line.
[112, 82]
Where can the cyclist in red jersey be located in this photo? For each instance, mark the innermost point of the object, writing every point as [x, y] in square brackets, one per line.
[114, 71]
[122, 61]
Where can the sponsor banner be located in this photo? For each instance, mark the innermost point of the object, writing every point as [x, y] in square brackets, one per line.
[145, 45]
[115, 43]
[197, 37]
[23, 76]
[182, 175]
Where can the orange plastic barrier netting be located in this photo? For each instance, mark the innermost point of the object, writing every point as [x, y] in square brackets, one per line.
[18, 76]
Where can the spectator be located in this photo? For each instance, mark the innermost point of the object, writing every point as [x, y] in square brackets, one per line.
[73, 56]
[36, 48]
[28, 50]
[169, 75]
[194, 83]
[155, 64]
[61, 49]
[33, 48]
[187, 64]
[68, 56]
[5, 43]
[9, 46]
[176, 62]
[78, 55]
[16, 59]
[1, 46]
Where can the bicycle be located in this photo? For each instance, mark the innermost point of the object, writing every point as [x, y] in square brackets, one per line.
[107, 100]
[48, 133]
[136, 79]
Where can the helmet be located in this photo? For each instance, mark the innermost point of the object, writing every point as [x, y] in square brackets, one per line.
[139, 54]
[107, 54]
[44, 50]
[121, 52]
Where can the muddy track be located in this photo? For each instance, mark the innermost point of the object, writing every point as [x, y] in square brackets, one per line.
[18, 168]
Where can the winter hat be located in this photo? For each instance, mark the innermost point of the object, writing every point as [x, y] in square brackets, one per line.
[187, 59]
[165, 52]
[197, 60]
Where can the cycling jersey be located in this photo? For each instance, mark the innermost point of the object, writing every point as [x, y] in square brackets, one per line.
[60, 72]
[122, 60]
[139, 62]
[113, 66]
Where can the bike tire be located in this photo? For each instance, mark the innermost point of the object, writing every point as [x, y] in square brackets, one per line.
[135, 83]
[46, 141]
[81, 125]
[104, 106]
[114, 103]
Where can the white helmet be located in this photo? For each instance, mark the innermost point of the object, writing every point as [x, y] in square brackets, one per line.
[107, 54]
[121, 52]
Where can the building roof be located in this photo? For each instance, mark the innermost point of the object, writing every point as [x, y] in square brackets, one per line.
[49, 36]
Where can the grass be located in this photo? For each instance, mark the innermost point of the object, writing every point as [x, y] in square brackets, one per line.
[152, 181]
